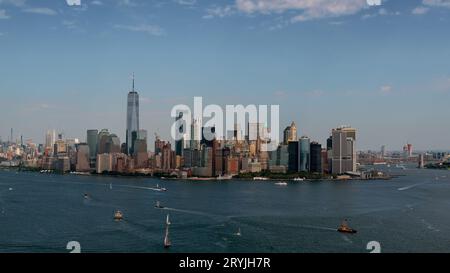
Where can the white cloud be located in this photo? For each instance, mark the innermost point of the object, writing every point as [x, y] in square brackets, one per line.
[73, 2]
[3, 14]
[386, 89]
[420, 10]
[219, 12]
[186, 2]
[128, 3]
[42, 11]
[437, 3]
[308, 9]
[149, 29]
[17, 3]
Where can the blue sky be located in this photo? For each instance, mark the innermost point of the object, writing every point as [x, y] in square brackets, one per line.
[382, 69]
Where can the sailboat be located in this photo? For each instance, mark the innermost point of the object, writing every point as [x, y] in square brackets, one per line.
[110, 186]
[167, 242]
[238, 233]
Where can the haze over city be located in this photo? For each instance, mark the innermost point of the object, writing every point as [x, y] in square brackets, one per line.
[381, 69]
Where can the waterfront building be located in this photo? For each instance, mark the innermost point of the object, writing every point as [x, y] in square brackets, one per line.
[140, 153]
[325, 161]
[232, 165]
[167, 157]
[304, 146]
[104, 163]
[83, 158]
[92, 139]
[132, 131]
[316, 157]
[62, 164]
[344, 150]
[283, 155]
[293, 149]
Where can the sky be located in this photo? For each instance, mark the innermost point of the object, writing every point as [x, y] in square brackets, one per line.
[383, 69]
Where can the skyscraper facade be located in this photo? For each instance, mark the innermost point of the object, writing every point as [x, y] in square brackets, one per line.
[344, 150]
[132, 132]
[304, 153]
[91, 139]
[290, 133]
[316, 157]
[293, 149]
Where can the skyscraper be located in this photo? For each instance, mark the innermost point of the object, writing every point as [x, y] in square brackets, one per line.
[91, 139]
[344, 151]
[179, 144]
[290, 133]
[293, 163]
[316, 157]
[132, 132]
[50, 139]
[304, 145]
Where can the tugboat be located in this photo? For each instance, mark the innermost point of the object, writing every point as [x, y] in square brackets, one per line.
[167, 242]
[118, 216]
[158, 205]
[344, 228]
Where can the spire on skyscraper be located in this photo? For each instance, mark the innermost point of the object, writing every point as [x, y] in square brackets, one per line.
[133, 83]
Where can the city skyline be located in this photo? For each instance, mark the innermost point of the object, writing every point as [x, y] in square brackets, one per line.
[375, 68]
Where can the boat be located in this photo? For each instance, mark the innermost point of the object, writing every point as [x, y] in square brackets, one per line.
[86, 196]
[281, 184]
[299, 179]
[344, 228]
[238, 233]
[225, 177]
[118, 216]
[158, 188]
[167, 242]
[110, 186]
[260, 178]
[158, 205]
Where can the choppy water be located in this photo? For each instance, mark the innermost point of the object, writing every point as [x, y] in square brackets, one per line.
[42, 213]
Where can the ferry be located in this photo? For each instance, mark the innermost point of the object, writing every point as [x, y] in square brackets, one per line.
[260, 178]
[225, 177]
[299, 179]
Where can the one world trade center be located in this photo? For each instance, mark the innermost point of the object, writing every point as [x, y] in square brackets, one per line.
[132, 120]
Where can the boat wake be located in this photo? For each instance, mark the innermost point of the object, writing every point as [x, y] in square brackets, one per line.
[187, 211]
[412, 186]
